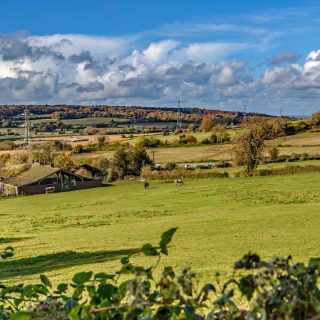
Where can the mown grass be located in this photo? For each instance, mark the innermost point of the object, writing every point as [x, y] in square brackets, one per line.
[219, 220]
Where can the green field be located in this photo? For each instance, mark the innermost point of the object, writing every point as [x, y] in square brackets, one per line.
[219, 220]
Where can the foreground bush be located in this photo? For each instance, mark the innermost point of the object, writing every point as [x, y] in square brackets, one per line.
[276, 289]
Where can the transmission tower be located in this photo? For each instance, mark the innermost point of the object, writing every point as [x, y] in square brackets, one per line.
[26, 128]
[179, 121]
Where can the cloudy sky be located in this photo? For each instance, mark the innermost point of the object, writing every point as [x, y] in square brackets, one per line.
[216, 54]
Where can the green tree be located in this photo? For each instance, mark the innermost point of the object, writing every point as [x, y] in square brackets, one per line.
[78, 149]
[138, 158]
[130, 160]
[120, 162]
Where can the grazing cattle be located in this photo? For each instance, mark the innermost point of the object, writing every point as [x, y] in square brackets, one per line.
[146, 184]
[178, 182]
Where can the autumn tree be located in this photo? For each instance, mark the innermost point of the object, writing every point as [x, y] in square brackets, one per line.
[206, 123]
[248, 147]
[315, 119]
[219, 135]
[41, 153]
[65, 161]
[101, 142]
[274, 154]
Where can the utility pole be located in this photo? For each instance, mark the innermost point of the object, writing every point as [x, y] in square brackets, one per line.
[280, 112]
[153, 152]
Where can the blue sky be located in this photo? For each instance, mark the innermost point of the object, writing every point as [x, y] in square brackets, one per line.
[217, 54]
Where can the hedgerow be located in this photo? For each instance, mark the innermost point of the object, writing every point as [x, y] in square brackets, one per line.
[287, 170]
[276, 289]
[181, 173]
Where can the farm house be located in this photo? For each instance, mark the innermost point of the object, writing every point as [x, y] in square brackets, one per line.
[45, 179]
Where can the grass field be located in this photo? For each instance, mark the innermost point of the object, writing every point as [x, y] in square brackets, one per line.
[82, 121]
[219, 220]
[301, 139]
[193, 154]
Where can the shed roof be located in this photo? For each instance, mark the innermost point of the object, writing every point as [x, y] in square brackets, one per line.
[31, 176]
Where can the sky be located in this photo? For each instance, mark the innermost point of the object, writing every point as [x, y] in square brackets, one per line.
[228, 54]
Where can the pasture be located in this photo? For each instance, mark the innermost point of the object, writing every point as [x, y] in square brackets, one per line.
[219, 220]
[81, 121]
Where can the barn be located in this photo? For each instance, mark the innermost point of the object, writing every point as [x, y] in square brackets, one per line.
[46, 179]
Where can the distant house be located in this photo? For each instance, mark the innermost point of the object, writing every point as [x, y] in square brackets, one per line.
[45, 179]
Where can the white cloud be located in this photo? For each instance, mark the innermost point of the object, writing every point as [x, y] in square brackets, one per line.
[84, 69]
[69, 44]
[159, 52]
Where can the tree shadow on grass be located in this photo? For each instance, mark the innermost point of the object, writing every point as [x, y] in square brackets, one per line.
[56, 261]
[11, 239]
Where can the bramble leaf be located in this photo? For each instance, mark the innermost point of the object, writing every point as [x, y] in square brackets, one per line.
[82, 277]
[166, 238]
[45, 280]
[149, 250]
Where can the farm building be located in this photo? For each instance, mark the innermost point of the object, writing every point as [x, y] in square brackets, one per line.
[44, 179]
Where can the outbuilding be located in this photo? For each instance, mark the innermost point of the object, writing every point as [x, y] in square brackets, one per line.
[46, 179]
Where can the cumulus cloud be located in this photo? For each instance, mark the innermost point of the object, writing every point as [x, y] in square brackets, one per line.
[84, 69]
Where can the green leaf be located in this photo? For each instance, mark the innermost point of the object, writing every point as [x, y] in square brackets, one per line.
[74, 313]
[102, 276]
[62, 287]
[77, 293]
[123, 288]
[166, 238]
[247, 286]
[205, 291]
[45, 280]
[20, 315]
[82, 277]
[149, 250]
